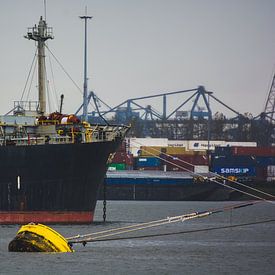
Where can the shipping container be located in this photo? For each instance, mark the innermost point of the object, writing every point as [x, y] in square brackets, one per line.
[244, 171]
[150, 151]
[147, 162]
[254, 151]
[178, 143]
[238, 161]
[119, 157]
[122, 157]
[116, 166]
[223, 151]
[135, 143]
[240, 143]
[265, 161]
[181, 167]
[271, 171]
[147, 151]
[122, 147]
[175, 151]
[204, 144]
[129, 160]
[192, 159]
[178, 163]
[261, 173]
[201, 169]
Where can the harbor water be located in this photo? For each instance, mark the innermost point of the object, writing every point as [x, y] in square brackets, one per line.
[235, 250]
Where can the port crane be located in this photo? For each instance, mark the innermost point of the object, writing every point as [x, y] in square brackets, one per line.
[270, 103]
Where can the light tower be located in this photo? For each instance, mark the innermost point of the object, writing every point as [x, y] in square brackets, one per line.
[85, 85]
[41, 33]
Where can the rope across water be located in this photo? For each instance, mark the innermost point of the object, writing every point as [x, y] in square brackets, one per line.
[106, 234]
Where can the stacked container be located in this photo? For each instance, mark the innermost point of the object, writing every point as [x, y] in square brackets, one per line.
[121, 160]
[170, 158]
[147, 163]
[185, 162]
[250, 162]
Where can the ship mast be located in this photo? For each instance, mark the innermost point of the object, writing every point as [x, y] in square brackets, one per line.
[41, 33]
[85, 85]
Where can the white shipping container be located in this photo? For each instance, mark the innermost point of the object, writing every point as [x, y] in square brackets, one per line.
[178, 143]
[271, 171]
[201, 145]
[201, 169]
[245, 144]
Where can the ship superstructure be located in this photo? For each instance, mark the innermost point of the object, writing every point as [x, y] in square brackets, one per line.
[51, 165]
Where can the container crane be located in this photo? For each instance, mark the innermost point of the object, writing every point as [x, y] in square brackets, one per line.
[270, 103]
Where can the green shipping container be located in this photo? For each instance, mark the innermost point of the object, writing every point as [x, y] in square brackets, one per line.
[117, 166]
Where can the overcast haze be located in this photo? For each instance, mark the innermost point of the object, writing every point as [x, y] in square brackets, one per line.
[139, 48]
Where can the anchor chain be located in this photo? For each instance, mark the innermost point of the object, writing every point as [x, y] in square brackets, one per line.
[104, 201]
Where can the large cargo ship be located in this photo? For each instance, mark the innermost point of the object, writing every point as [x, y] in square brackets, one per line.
[51, 165]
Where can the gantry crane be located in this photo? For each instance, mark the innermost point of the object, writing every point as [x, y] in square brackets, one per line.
[270, 103]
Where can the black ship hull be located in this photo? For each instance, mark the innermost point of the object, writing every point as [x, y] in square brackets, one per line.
[55, 183]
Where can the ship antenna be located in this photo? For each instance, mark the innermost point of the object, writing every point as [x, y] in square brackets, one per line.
[85, 85]
[41, 33]
[45, 9]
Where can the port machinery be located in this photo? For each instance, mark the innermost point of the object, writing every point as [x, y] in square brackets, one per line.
[197, 123]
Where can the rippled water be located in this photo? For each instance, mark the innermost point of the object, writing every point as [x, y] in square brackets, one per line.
[242, 250]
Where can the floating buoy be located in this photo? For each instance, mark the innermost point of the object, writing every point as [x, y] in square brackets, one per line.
[38, 238]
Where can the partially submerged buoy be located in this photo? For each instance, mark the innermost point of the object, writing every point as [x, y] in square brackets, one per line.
[38, 238]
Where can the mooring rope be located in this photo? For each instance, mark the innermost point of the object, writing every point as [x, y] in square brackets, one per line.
[141, 226]
[182, 232]
[132, 226]
[102, 235]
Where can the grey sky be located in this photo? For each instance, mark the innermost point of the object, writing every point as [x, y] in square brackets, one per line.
[140, 47]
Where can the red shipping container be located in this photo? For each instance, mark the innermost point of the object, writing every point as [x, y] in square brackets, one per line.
[253, 151]
[119, 157]
[129, 160]
[122, 147]
[183, 159]
[179, 163]
[122, 157]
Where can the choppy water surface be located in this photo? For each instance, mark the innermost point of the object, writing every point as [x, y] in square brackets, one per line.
[242, 250]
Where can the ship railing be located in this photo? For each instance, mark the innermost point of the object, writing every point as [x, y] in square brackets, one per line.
[109, 132]
[38, 140]
[61, 140]
[48, 122]
[23, 141]
[26, 105]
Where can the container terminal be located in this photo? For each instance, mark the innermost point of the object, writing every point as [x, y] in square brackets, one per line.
[177, 171]
[189, 141]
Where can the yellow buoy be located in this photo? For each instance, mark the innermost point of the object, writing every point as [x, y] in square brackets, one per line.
[38, 238]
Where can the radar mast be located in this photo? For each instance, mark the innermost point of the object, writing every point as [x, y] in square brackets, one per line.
[41, 34]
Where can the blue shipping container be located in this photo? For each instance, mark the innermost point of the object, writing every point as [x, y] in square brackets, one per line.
[234, 161]
[235, 171]
[222, 151]
[265, 161]
[147, 162]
